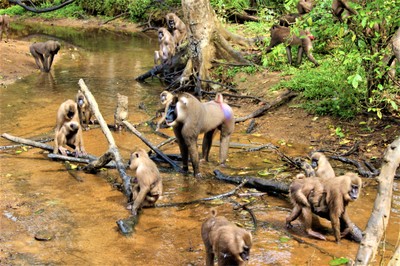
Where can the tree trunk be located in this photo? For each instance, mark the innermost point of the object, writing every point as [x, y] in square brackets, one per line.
[208, 40]
[381, 212]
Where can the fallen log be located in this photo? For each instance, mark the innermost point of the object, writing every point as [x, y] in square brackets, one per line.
[380, 215]
[151, 146]
[112, 153]
[281, 99]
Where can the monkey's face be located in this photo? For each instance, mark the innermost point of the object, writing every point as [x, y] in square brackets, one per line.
[314, 163]
[176, 111]
[355, 187]
[160, 35]
[171, 23]
[70, 112]
[81, 101]
[246, 245]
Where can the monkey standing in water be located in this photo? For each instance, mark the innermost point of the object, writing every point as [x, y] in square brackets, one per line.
[149, 187]
[121, 112]
[189, 117]
[226, 241]
[166, 99]
[280, 34]
[44, 53]
[84, 110]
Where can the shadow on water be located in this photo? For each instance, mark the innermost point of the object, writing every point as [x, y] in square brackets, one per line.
[39, 199]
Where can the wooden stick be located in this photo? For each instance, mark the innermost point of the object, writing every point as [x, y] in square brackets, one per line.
[111, 143]
[379, 218]
[151, 146]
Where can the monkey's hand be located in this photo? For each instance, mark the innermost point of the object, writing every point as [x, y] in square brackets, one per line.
[63, 150]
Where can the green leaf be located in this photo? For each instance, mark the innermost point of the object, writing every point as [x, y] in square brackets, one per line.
[284, 239]
[394, 105]
[338, 261]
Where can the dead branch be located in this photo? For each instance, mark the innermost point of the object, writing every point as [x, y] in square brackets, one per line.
[281, 99]
[395, 260]
[114, 18]
[361, 170]
[220, 196]
[379, 218]
[42, 140]
[111, 144]
[49, 9]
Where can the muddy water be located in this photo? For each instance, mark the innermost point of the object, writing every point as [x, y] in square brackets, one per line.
[40, 198]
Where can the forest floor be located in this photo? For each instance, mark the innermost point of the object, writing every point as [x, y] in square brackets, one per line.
[287, 124]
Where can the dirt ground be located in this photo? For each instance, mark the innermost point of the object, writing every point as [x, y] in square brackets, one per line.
[372, 134]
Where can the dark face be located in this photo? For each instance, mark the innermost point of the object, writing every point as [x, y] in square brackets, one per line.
[171, 113]
[245, 255]
[354, 191]
[80, 101]
[160, 35]
[171, 24]
[71, 113]
[314, 163]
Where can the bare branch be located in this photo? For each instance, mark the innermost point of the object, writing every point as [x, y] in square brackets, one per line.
[44, 10]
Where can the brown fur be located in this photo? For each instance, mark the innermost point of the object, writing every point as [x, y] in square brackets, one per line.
[304, 6]
[396, 45]
[280, 34]
[70, 134]
[322, 165]
[4, 25]
[121, 112]
[177, 28]
[226, 241]
[338, 192]
[84, 110]
[44, 53]
[68, 111]
[149, 187]
[342, 10]
[167, 46]
[166, 99]
[303, 188]
[189, 117]
[288, 19]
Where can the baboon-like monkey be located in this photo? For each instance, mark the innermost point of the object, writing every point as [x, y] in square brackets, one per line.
[4, 25]
[338, 192]
[167, 46]
[44, 53]
[280, 34]
[226, 241]
[166, 99]
[84, 110]
[303, 189]
[342, 10]
[321, 163]
[148, 188]
[189, 117]
[304, 6]
[177, 28]
[68, 111]
[121, 112]
[70, 134]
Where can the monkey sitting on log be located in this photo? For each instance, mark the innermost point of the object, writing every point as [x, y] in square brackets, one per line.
[166, 99]
[322, 165]
[4, 25]
[121, 111]
[226, 241]
[84, 110]
[338, 193]
[177, 28]
[148, 188]
[68, 131]
[44, 53]
[280, 34]
[189, 117]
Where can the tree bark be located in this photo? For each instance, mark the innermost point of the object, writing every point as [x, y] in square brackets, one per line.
[381, 212]
[113, 149]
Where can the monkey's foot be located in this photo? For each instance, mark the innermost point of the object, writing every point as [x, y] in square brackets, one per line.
[289, 225]
[63, 150]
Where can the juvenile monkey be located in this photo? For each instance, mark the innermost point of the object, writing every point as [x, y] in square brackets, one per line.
[166, 99]
[226, 241]
[280, 34]
[4, 25]
[84, 110]
[338, 192]
[149, 187]
[304, 6]
[303, 189]
[70, 134]
[288, 19]
[121, 112]
[167, 46]
[68, 111]
[177, 28]
[44, 53]
[189, 117]
[322, 165]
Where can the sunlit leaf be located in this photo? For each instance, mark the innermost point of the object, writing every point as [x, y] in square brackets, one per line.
[243, 172]
[256, 135]
[315, 118]
[24, 148]
[394, 105]
[263, 173]
[362, 123]
[339, 261]
[18, 151]
[344, 141]
[284, 239]
[39, 211]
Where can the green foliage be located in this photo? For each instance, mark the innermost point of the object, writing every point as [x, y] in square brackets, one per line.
[13, 11]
